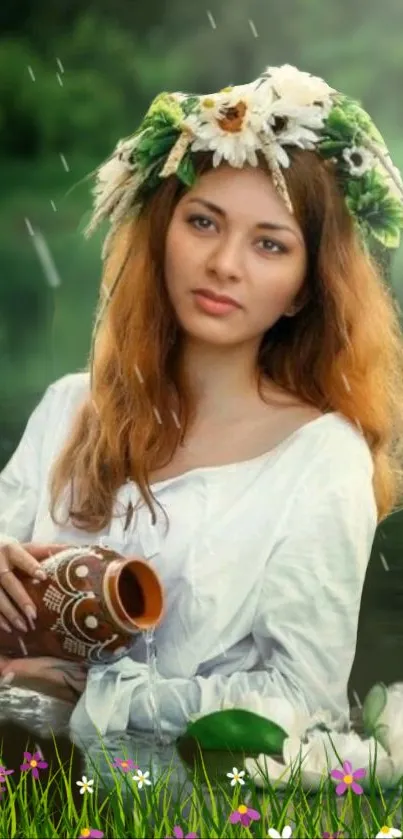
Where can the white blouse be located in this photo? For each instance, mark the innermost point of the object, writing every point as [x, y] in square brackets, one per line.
[263, 569]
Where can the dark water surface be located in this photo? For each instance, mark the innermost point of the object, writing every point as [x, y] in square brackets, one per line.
[379, 655]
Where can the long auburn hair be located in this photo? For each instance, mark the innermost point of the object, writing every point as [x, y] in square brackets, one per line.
[342, 352]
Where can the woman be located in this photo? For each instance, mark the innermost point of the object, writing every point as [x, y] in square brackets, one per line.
[265, 431]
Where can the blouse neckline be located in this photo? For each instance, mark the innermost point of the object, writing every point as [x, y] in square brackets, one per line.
[221, 469]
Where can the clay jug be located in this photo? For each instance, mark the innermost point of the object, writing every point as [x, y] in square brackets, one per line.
[90, 608]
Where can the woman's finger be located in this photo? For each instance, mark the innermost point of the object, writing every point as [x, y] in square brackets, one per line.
[4, 625]
[16, 593]
[8, 609]
[43, 551]
[14, 556]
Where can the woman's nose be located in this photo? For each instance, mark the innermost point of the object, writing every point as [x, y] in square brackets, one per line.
[226, 259]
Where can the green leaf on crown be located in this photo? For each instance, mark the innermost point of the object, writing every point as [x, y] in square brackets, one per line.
[186, 171]
[190, 104]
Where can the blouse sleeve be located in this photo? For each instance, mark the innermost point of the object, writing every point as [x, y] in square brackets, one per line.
[20, 478]
[305, 625]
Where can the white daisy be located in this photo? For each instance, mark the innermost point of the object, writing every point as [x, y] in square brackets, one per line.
[227, 123]
[85, 785]
[237, 777]
[141, 778]
[359, 160]
[298, 87]
[293, 126]
[388, 833]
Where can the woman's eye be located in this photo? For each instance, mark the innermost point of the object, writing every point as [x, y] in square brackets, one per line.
[200, 222]
[281, 248]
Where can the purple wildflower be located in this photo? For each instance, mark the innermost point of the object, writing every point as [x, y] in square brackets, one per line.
[244, 814]
[125, 764]
[90, 833]
[178, 834]
[348, 778]
[33, 762]
[3, 772]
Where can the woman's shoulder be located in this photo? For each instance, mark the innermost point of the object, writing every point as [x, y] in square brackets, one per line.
[69, 390]
[63, 398]
[319, 437]
[71, 385]
[336, 442]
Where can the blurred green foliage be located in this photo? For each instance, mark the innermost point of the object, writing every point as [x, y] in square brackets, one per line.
[74, 79]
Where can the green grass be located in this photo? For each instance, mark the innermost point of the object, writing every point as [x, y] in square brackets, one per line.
[120, 809]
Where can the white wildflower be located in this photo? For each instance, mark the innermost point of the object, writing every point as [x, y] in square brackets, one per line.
[285, 834]
[237, 777]
[86, 786]
[141, 778]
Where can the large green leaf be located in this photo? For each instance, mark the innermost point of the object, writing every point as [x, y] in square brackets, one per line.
[238, 730]
[216, 743]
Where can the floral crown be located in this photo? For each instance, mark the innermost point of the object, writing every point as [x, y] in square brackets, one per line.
[284, 107]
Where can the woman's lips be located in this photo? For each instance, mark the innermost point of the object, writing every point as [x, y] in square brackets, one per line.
[213, 307]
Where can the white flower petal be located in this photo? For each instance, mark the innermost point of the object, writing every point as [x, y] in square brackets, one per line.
[282, 156]
[217, 158]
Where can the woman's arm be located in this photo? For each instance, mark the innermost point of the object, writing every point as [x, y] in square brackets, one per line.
[52, 676]
[20, 478]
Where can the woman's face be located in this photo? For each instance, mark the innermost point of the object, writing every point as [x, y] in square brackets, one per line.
[222, 238]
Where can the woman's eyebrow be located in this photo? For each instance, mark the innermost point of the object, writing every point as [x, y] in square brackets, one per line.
[262, 225]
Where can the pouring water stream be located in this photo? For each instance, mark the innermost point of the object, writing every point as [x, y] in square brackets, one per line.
[151, 649]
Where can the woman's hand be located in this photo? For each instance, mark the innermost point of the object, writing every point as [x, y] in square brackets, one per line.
[52, 676]
[26, 557]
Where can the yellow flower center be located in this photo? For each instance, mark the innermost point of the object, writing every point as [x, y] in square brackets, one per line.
[85, 831]
[242, 808]
[208, 103]
[348, 779]
[384, 829]
[33, 763]
[124, 763]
